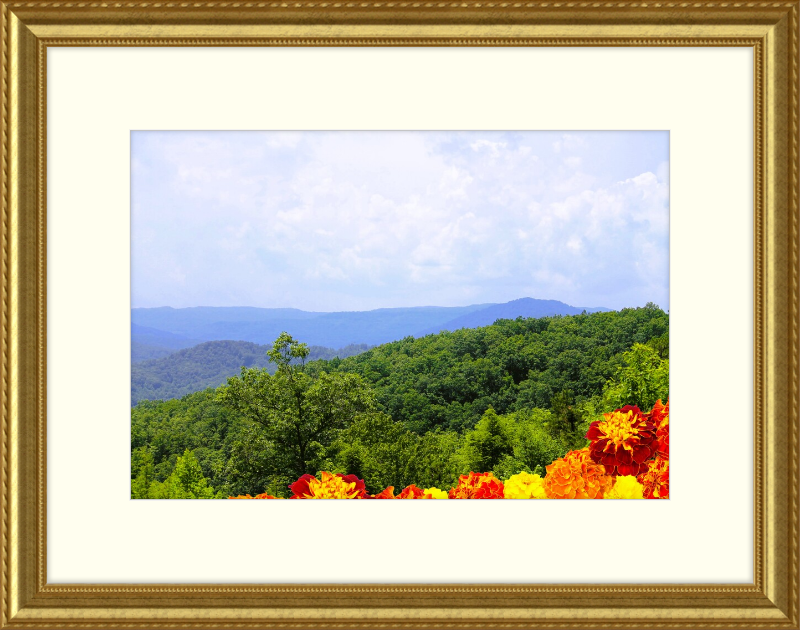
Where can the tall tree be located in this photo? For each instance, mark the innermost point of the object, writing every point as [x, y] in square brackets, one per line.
[489, 441]
[298, 413]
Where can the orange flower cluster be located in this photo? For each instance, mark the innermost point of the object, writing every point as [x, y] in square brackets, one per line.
[576, 476]
[627, 458]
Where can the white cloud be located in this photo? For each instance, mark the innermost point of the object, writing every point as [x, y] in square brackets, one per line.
[493, 148]
[352, 220]
[568, 142]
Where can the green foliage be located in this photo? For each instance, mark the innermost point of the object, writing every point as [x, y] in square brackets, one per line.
[536, 444]
[296, 413]
[257, 464]
[660, 345]
[449, 380]
[384, 452]
[641, 380]
[506, 445]
[142, 472]
[489, 442]
[167, 429]
[508, 397]
[185, 482]
[376, 449]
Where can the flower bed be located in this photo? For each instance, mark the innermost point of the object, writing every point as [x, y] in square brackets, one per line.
[627, 458]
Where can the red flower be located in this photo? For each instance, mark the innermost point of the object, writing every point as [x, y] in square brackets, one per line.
[388, 493]
[411, 492]
[622, 441]
[300, 487]
[660, 418]
[328, 486]
[360, 485]
[492, 489]
[659, 413]
[656, 479]
[477, 486]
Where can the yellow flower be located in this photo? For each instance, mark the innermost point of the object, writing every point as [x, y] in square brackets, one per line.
[434, 493]
[524, 486]
[626, 487]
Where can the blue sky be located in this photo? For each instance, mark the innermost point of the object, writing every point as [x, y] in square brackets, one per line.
[336, 221]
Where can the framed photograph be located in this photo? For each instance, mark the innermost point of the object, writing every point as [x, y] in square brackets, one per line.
[400, 250]
[390, 348]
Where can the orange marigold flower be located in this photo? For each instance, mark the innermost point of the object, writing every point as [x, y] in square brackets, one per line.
[576, 476]
[659, 413]
[328, 486]
[656, 479]
[411, 492]
[662, 440]
[660, 418]
[477, 486]
[388, 493]
[622, 441]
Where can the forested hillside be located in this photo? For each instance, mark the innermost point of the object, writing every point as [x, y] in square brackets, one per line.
[208, 365]
[505, 398]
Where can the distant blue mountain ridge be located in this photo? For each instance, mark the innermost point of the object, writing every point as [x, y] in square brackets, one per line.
[159, 331]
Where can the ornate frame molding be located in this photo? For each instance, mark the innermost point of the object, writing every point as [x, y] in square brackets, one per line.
[29, 28]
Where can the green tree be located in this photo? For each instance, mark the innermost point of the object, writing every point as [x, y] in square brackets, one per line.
[489, 441]
[566, 418]
[142, 472]
[300, 414]
[535, 446]
[376, 449]
[185, 482]
[385, 453]
[257, 464]
[660, 345]
[643, 379]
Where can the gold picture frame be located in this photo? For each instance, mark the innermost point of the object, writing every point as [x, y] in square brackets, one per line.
[769, 28]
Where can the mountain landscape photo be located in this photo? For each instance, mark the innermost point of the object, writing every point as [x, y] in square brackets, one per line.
[399, 315]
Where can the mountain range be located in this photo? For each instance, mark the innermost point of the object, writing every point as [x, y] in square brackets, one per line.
[175, 352]
[157, 332]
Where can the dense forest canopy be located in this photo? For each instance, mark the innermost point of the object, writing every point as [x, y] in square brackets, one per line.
[508, 397]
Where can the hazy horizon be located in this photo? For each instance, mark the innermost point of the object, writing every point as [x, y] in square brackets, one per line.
[358, 221]
[380, 308]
